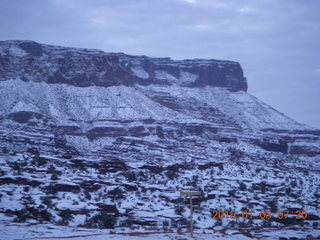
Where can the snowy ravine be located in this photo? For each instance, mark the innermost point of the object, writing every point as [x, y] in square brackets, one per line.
[91, 140]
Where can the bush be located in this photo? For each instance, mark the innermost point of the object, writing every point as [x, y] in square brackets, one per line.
[22, 215]
[288, 191]
[39, 161]
[47, 201]
[263, 186]
[171, 174]
[5, 150]
[127, 223]
[15, 166]
[66, 216]
[117, 193]
[259, 170]
[54, 177]
[220, 166]
[315, 225]
[28, 200]
[131, 176]
[101, 220]
[183, 222]
[232, 193]
[50, 190]
[51, 169]
[273, 206]
[179, 210]
[218, 222]
[87, 195]
[80, 165]
[142, 176]
[242, 186]
[165, 224]
[195, 179]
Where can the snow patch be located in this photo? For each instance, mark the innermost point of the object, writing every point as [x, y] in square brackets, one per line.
[16, 51]
[140, 72]
[25, 107]
[187, 77]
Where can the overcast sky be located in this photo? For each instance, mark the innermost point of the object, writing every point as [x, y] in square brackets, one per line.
[277, 42]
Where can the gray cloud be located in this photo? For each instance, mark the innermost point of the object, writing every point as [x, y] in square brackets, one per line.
[277, 42]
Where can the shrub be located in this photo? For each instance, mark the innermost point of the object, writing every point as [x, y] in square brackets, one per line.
[117, 193]
[315, 225]
[288, 191]
[183, 222]
[22, 215]
[50, 190]
[195, 179]
[293, 184]
[165, 224]
[259, 170]
[15, 166]
[51, 169]
[80, 165]
[54, 177]
[218, 222]
[273, 206]
[179, 210]
[131, 176]
[29, 200]
[263, 186]
[127, 223]
[101, 220]
[171, 174]
[47, 201]
[232, 193]
[242, 186]
[66, 216]
[87, 195]
[142, 176]
[39, 161]
[220, 166]
[5, 150]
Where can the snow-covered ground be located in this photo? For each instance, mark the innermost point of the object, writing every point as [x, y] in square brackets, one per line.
[18, 231]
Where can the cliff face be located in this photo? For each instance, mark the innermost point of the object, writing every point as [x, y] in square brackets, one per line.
[31, 61]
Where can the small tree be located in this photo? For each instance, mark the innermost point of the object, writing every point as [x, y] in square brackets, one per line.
[117, 193]
[242, 186]
[101, 220]
[131, 176]
[54, 177]
[179, 210]
[165, 224]
[5, 150]
[171, 174]
[195, 179]
[22, 215]
[39, 161]
[66, 216]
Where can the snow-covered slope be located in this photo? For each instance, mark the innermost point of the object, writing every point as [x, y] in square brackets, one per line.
[83, 131]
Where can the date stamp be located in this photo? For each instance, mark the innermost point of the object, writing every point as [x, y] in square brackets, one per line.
[264, 214]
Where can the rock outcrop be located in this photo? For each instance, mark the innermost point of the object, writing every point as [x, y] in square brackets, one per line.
[31, 61]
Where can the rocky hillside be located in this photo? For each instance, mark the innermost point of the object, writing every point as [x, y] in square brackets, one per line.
[84, 132]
